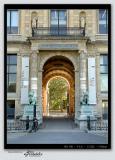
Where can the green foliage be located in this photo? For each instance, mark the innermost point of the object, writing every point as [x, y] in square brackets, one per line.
[58, 93]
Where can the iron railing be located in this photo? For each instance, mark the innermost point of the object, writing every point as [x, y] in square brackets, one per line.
[17, 125]
[63, 31]
[100, 125]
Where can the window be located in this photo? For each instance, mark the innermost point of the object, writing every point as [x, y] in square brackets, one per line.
[103, 21]
[10, 109]
[104, 73]
[58, 22]
[11, 73]
[12, 21]
[105, 109]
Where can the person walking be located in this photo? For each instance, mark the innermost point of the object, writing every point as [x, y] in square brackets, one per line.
[35, 124]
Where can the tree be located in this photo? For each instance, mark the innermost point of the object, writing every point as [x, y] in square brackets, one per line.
[57, 93]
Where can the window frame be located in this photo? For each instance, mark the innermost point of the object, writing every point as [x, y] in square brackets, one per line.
[106, 23]
[58, 20]
[11, 73]
[12, 108]
[11, 10]
[102, 73]
[58, 29]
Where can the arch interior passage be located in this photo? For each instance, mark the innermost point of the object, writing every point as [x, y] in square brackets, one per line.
[57, 96]
[59, 66]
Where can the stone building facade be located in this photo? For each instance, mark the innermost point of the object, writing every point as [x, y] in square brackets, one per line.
[42, 44]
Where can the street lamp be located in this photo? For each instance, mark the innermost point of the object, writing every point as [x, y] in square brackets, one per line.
[34, 110]
[34, 113]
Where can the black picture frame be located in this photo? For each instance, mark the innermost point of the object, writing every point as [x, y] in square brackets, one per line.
[57, 6]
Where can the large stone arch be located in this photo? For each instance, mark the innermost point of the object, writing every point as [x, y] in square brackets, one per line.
[68, 56]
[66, 71]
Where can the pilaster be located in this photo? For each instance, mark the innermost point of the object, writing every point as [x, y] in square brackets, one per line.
[83, 73]
[33, 71]
[77, 95]
[39, 100]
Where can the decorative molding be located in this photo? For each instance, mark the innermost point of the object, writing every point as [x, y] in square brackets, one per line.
[58, 46]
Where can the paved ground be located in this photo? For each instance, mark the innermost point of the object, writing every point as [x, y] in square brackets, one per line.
[99, 133]
[57, 131]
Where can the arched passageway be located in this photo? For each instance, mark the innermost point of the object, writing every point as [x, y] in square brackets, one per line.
[59, 66]
[57, 96]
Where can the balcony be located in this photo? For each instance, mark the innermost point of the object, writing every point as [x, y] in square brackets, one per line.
[58, 33]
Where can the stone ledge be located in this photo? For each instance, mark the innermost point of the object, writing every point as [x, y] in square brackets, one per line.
[16, 38]
[101, 37]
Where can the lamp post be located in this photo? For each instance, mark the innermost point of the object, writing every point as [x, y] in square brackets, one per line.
[34, 111]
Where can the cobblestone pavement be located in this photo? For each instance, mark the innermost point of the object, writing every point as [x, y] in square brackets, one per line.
[57, 131]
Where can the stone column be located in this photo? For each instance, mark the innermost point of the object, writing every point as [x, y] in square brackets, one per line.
[77, 96]
[34, 78]
[33, 72]
[83, 88]
[83, 73]
[18, 107]
[98, 105]
[40, 96]
[36, 83]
